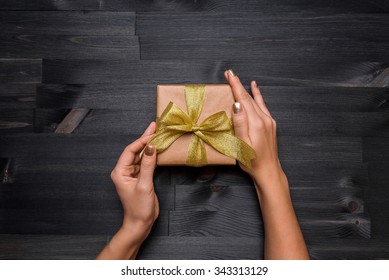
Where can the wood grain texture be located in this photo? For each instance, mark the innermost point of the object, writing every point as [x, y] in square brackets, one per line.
[305, 73]
[300, 25]
[72, 221]
[293, 50]
[72, 120]
[66, 46]
[249, 224]
[274, 7]
[50, 247]
[20, 70]
[52, 5]
[67, 23]
[16, 121]
[282, 98]
[315, 196]
[110, 146]
[344, 175]
[252, 248]
[17, 96]
[47, 120]
[348, 249]
[70, 184]
[375, 149]
[187, 248]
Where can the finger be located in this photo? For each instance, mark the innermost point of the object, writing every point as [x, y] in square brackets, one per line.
[241, 123]
[259, 98]
[150, 129]
[240, 93]
[130, 153]
[147, 166]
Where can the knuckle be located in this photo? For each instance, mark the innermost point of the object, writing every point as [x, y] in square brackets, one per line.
[240, 120]
[260, 125]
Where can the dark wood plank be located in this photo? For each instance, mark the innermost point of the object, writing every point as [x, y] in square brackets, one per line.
[72, 120]
[305, 73]
[110, 146]
[20, 70]
[274, 7]
[16, 121]
[70, 184]
[67, 23]
[69, 221]
[329, 249]
[383, 4]
[50, 247]
[300, 123]
[252, 248]
[336, 174]
[265, 50]
[375, 149]
[47, 120]
[17, 96]
[378, 197]
[315, 196]
[66, 46]
[261, 25]
[128, 96]
[249, 224]
[185, 248]
[52, 5]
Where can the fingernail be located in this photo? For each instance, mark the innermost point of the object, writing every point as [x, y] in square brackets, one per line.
[149, 150]
[231, 73]
[255, 83]
[236, 107]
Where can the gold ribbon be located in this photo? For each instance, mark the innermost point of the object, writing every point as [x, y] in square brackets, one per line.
[216, 130]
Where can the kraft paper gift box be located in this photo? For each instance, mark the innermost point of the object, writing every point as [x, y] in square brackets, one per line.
[216, 98]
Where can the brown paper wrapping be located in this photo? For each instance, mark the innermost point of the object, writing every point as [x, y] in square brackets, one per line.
[217, 98]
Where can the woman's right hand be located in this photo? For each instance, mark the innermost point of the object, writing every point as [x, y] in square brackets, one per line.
[254, 125]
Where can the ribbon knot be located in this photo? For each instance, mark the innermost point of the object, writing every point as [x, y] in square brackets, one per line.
[196, 128]
[216, 130]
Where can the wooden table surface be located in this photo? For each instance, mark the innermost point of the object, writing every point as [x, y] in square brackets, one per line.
[77, 84]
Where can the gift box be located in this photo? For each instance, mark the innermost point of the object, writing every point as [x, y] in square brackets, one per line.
[194, 126]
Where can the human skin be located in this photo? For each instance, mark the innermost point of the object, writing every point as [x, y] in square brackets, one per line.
[253, 123]
[133, 178]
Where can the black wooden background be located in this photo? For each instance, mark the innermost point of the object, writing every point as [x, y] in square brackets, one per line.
[77, 84]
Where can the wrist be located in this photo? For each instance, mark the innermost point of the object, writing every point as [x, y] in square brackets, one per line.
[270, 180]
[135, 232]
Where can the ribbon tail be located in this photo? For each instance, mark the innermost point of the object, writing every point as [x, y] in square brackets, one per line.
[231, 146]
[197, 155]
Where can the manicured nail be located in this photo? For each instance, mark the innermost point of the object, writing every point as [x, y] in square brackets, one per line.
[236, 107]
[149, 150]
[255, 83]
[231, 73]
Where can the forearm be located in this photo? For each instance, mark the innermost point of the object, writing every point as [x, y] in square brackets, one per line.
[123, 246]
[283, 236]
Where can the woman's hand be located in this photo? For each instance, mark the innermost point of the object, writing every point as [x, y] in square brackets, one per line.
[254, 124]
[133, 178]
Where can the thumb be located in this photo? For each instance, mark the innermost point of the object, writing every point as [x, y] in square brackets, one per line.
[240, 121]
[147, 166]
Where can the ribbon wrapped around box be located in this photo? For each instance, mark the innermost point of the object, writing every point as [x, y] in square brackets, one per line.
[194, 127]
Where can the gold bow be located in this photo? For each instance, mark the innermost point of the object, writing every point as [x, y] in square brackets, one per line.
[216, 130]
